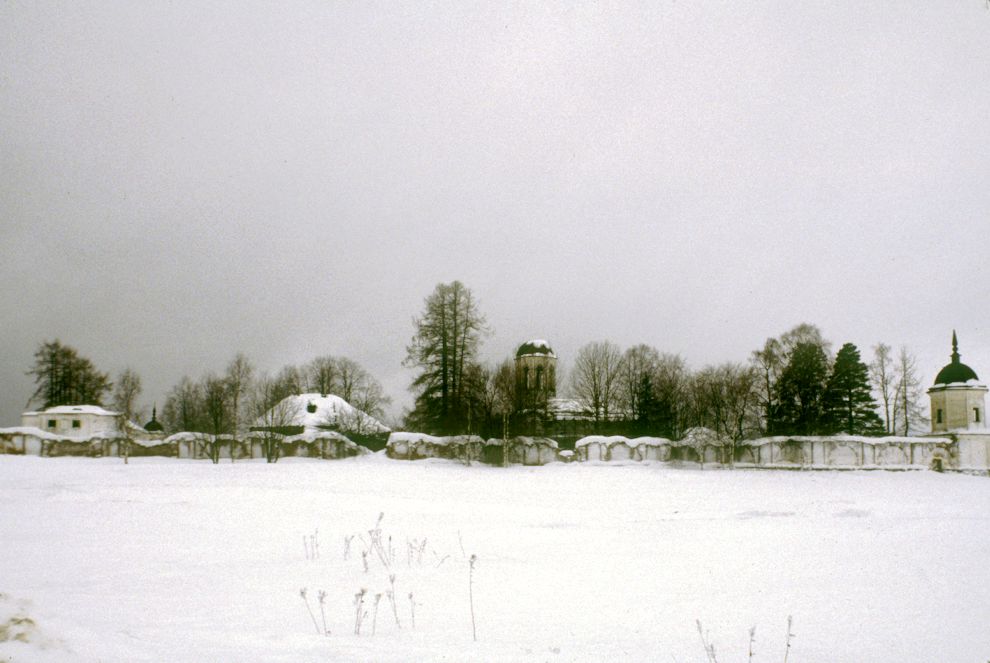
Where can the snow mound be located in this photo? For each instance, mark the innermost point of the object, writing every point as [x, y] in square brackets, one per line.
[316, 412]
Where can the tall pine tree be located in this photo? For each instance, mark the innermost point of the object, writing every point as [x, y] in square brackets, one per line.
[849, 405]
[800, 391]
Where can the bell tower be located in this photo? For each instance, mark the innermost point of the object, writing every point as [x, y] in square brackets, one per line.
[536, 375]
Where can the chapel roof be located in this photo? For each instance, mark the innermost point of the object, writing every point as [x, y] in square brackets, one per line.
[955, 371]
[154, 426]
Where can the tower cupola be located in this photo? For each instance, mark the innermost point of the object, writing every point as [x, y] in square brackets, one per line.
[958, 396]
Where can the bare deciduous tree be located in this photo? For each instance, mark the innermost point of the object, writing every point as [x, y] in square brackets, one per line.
[238, 379]
[769, 361]
[125, 393]
[322, 375]
[908, 394]
[594, 379]
[729, 393]
[882, 377]
[183, 410]
[664, 396]
[273, 416]
[217, 408]
[126, 390]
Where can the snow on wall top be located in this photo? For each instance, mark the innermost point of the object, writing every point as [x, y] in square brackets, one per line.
[311, 436]
[610, 440]
[699, 437]
[33, 431]
[408, 438]
[327, 411]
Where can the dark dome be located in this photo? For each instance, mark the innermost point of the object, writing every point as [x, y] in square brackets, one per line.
[955, 371]
[535, 347]
[153, 426]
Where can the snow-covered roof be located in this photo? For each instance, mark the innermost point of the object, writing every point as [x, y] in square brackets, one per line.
[573, 408]
[567, 408]
[328, 411]
[972, 383]
[77, 409]
[537, 346]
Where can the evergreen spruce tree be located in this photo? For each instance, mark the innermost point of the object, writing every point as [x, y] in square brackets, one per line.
[849, 405]
[650, 415]
[800, 391]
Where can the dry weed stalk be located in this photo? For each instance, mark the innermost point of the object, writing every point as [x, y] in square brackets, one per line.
[374, 618]
[302, 593]
[708, 646]
[359, 613]
[787, 649]
[322, 596]
[390, 593]
[471, 562]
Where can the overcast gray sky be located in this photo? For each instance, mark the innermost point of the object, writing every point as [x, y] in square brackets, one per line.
[180, 181]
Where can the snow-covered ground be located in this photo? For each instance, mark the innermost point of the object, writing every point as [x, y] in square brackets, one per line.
[187, 561]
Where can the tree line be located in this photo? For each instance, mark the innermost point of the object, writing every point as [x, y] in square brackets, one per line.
[234, 400]
[792, 385]
[225, 403]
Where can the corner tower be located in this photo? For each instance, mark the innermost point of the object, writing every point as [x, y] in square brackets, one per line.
[536, 375]
[957, 397]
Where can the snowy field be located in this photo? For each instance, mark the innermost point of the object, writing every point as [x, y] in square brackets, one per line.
[168, 560]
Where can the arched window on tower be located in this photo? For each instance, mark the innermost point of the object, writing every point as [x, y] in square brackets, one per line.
[526, 377]
[539, 382]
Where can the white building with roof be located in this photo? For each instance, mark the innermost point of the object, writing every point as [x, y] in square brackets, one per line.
[82, 421]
